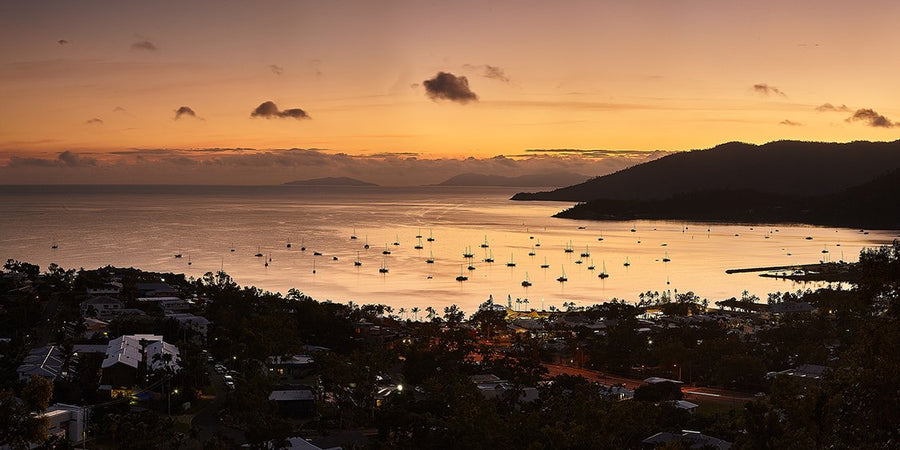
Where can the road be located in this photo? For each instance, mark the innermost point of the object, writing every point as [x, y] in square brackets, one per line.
[689, 392]
[206, 422]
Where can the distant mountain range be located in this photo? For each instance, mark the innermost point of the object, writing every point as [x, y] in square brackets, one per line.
[781, 167]
[532, 180]
[330, 181]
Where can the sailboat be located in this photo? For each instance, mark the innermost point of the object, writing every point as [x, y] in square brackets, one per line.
[266, 264]
[531, 253]
[569, 248]
[302, 246]
[258, 253]
[288, 245]
[825, 250]
[353, 236]
[485, 244]
[419, 245]
[545, 265]
[430, 236]
[367, 243]
[512, 262]
[591, 267]
[489, 258]
[419, 235]
[471, 267]
[468, 253]
[461, 277]
[562, 278]
[178, 255]
[189, 260]
[314, 266]
[386, 251]
[430, 259]
[538, 243]
[666, 258]
[383, 268]
[357, 262]
[526, 283]
[397, 240]
[232, 246]
[586, 252]
[603, 273]
[601, 236]
[54, 245]
[627, 263]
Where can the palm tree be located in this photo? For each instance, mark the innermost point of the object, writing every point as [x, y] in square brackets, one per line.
[518, 304]
[525, 301]
[415, 310]
[402, 312]
[431, 313]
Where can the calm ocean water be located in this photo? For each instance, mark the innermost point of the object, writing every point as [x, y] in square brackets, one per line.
[145, 226]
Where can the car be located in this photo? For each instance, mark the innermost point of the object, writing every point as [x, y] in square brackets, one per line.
[230, 385]
[228, 379]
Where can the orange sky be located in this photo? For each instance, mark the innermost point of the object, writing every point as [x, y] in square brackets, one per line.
[102, 76]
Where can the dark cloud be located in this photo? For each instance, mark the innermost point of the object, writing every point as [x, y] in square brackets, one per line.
[871, 118]
[145, 46]
[446, 86]
[72, 159]
[828, 107]
[62, 42]
[269, 110]
[765, 89]
[94, 121]
[489, 71]
[790, 123]
[184, 111]
[276, 69]
[588, 153]
[120, 109]
[64, 159]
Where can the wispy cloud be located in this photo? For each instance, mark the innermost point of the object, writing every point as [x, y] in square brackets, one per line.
[489, 71]
[276, 69]
[185, 111]
[446, 86]
[144, 45]
[62, 42]
[790, 123]
[269, 110]
[828, 107]
[871, 118]
[94, 121]
[765, 89]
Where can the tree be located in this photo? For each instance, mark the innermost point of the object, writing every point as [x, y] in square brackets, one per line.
[20, 427]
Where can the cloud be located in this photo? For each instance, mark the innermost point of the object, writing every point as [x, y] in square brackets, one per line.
[790, 123]
[446, 86]
[276, 69]
[67, 159]
[185, 111]
[144, 46]
[489, 71]
[765, 89]
[269, 110]
[94, 121]
[872, 118]
[251, 166]
[828, 107]
[62, 42]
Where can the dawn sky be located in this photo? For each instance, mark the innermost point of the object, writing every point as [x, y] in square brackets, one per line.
[117, 85]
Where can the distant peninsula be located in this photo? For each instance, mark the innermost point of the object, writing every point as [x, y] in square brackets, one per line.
[330, 181]
[849, 185]
[782, 167]
[530, 180]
